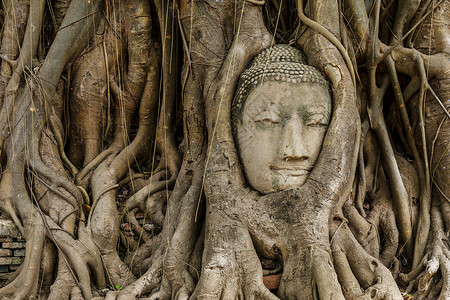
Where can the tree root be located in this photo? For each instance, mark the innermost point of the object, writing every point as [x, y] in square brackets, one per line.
[65, 287]
[26, 283]
[356, 269]
[146, 283]
[233, 269]
[437, 258]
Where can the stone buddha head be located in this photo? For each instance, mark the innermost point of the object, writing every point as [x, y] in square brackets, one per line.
[280, 114]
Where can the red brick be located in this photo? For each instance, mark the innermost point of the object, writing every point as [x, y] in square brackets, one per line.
[13, 245]
[11, 260]
[5, 252]
[4, 276]
[4, 269]
[8, 229]
[272, 281]
[19, 252]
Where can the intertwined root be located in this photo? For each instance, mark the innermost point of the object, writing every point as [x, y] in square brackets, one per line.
[360, 274]
[431, 277]
[233, 269]
[145, 284]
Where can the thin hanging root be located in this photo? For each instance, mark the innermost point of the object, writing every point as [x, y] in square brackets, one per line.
[59, 141]
[399, 194]
[437, 99]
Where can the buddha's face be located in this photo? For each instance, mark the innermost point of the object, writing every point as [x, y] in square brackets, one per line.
[281, 133]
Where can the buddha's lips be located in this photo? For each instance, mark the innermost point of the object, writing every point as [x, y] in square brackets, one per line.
[291, 169]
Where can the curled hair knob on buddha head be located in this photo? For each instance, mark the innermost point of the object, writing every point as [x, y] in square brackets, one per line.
[278, 63]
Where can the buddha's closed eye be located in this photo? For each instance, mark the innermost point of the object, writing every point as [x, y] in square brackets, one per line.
[268, 117]
[317, 120]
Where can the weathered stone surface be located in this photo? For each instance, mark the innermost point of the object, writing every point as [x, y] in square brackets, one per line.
[8, 229]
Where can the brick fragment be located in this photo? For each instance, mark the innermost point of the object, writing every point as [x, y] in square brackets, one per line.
[19, 252]
[272, 281]
[14, 267]
[13, 245]
[8, 229]
[6, 252]
[4, 269]
[11, 260]
[5, 276]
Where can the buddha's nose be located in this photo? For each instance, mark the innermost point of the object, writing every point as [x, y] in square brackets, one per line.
[292, 143]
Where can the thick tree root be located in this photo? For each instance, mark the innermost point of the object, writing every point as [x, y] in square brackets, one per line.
[25, 284]
[145, 284]
[424, 276]
[233, 270]
[358, 270]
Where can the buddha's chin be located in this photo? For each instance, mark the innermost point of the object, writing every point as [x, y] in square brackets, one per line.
[278, 181]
